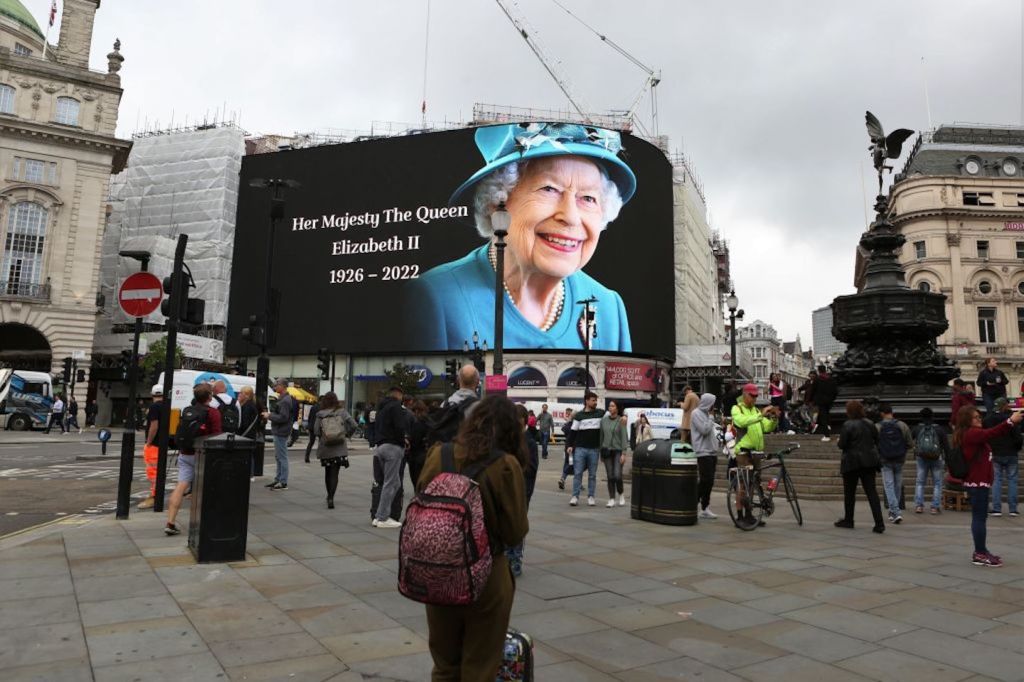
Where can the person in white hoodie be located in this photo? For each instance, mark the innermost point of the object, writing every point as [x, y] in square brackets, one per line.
[704, 439]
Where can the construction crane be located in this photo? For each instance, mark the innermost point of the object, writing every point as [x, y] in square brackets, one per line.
[552, 66]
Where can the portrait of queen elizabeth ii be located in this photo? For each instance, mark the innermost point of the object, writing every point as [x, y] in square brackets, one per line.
[556, 187]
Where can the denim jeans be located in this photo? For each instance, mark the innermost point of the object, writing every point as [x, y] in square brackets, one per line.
[937, 468]
[281, 455]
[892, 482]
[545, 436]
[613, 471]
[1004, 469]
[979, 517]
[585, 458]
[391, 458]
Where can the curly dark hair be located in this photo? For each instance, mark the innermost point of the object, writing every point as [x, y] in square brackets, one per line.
[491, 424]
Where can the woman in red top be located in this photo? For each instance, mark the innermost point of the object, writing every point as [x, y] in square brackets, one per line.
[973, 441]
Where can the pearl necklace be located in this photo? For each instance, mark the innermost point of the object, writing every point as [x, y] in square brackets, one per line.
[554, 310]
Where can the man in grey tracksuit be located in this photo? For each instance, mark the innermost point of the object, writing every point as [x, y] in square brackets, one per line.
[705, 444]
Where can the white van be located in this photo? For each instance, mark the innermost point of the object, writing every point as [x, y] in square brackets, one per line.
[664, 420]
[557, 411]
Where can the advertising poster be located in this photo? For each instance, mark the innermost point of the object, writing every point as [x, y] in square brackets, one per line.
[387, 245]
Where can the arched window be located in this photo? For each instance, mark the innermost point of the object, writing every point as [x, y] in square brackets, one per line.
[6, 99]
[985, 286]
[67, 111]
[923, 285]
[23, 246]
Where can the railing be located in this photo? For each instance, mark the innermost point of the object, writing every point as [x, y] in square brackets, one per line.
[25, 290]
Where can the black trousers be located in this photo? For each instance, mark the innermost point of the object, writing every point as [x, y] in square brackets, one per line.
[706, 480]
[823, 416]
[866, 477]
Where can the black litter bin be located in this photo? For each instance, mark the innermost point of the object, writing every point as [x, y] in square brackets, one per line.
[664, 483]
[220, 498]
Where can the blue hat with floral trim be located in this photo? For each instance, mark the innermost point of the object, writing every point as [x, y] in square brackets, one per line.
[504, 144]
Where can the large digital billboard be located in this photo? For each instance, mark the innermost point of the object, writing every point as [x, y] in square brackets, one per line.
[388, 245]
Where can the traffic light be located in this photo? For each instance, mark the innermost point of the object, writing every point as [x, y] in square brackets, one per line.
[68, 370]
[80, 378]
[195, 311]
[239, 367]
[323, 363]
[253, 333]
[171, 285]
[124, 363]
[452, 371]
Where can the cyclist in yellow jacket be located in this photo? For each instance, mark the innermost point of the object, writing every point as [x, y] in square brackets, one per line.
[750, 425]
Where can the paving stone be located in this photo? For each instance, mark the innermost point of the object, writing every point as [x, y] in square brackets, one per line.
[124, 565]
[726, 615]
[729, 589]
[958, 652]
[839, 595]
[665, 595]
[365, 582]
[1013, 618]
[200, 666]
[572, 671]
[142, 641]
[586, 571]
[780, 603]
[633, 616]
[631, 585]
[864, 626]
[723, 650]
[32, 588]
[611, 651]
[305, 668]
[394, 604]
[677, 669]
[935, 618]
[548, 625]
[22, 613]
[129, 609]
[795, 668]
[550, 586]
[68, 670]
[241, 652]
[1009, 637]
[244, 621]
[810, 641]
[893, 666]
[410, 668]
[227, 590]
[593, 600]
[332, 620]
[369, 645]
[33, 568]
[273, 576]
[39, 644]
[768, 579]
[105, 587]
[874, 583]
[959, 602]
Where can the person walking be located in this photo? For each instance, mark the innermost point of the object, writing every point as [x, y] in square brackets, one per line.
[729, 398]
[584, 446]
[466, 642]
[515, 554]
[72, 413]
[644, 432]
[1004, 459]
[331, 419]
[392, 424]
[151, 451]
[824, 393]
[614, 440]
[281, 420]
[688, 404]
[860, 462]
[751, 424]
[992, 383]
[312, 422]
[894, 442]
[974, 443]
[202, 394]
[963, 396]
[931, 443]
[56, 415]
[91, 409]
[545, 425]
[567, 462]
[705, 445]
[416, 455]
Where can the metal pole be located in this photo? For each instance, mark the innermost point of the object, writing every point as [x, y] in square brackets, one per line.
[732, 347]
[334, 363]
[499, 302]
[586, 346]
[163, 434]
[124, 478]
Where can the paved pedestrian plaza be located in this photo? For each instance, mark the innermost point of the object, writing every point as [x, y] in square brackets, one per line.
[605, 597]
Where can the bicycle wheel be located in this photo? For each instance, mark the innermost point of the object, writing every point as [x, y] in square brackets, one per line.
[748, 515]
[794, 503]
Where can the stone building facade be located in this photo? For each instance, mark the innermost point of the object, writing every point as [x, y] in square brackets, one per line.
[57, 151]
[960, 204]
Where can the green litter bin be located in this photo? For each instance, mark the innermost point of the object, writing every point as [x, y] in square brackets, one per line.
[664, 486]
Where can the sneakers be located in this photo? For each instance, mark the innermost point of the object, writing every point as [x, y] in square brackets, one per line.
[591, 501]
[919, 509]
[271, 484]
[147, 503]
[622, 500]
[995, 513]
[825, 439]
[843, 523]
[388, 523]
[517, 567]
[171, 529]
[279, 486]
[561, 484]
[896, 518]
[611, 502]
[986, 559]
[879, 528]
[935, 511]
[573, 501]
[1014, 514]
[707, 514]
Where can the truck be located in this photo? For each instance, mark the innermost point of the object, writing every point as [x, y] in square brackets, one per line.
[26, 399]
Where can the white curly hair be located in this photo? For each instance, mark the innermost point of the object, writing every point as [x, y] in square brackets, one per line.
[496, 188]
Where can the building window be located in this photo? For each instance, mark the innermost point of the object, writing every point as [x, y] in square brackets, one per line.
[1020, 250]
[924, 286]
[985, 286]
[22, 51]
[6, 99]
[23, 248]
[1020, 323]
[919, 250]
[35, 170]
[979, 199]
[67, 111]
[1020, 288]
[759, 372]
[982, 248]
[987, 325]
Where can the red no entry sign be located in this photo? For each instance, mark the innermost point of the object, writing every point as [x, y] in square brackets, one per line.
[140, 294]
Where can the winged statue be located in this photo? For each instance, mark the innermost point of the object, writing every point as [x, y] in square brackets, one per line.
[884, 146]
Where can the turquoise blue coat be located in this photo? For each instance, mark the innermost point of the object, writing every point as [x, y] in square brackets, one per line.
[455, 299]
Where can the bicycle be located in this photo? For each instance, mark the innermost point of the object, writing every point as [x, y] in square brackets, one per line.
[757, 501]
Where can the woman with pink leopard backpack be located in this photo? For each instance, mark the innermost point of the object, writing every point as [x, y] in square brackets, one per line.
[466, 642]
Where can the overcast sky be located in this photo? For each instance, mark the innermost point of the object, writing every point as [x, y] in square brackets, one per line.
[766, 97]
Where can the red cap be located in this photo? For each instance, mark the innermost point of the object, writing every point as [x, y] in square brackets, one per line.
[751, 389]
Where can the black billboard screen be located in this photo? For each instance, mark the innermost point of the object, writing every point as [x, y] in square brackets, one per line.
[388, 245]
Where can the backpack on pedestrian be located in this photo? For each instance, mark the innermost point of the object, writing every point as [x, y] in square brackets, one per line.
[891, 445]
[444, 552]
[956, 463]
[229, 417]
[190, 426]
[928, 445]
[442, 427]
[333, 429]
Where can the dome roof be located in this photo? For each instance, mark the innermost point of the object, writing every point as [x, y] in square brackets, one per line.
[13, 9]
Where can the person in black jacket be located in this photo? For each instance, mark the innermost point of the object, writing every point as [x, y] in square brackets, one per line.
[390, 433]
[1004, 458]
[416, 455]
[992, 383]
[566, 464]
[860, 461]
[312, 431]
[825, 391]
[250, 423]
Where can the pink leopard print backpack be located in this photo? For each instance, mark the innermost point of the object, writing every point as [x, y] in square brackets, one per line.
[444, 554]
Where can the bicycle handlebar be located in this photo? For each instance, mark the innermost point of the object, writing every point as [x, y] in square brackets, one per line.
[783, 452]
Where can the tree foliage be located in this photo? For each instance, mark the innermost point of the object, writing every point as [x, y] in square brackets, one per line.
[404, 376]
[157, 354]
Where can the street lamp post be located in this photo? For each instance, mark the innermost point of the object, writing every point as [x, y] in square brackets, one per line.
[588, 334]
[732, 303]
[500, 221]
